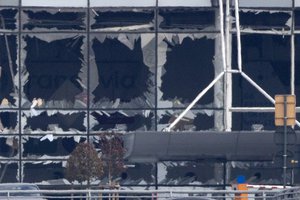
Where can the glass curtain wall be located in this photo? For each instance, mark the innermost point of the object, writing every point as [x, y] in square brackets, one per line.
[71, 73]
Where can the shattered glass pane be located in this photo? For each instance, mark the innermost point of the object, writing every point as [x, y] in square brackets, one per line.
[122, 120]
[9, 147]
[55, 71]
[8, 71]
[127, 3]
[54, 19]
[182, 56]
[266, 60]
[138, 174]
[8, 172]
[122, 20]
[41, 147]
[190, 173]
[194, 120]
[254, 121]
[191, 18]
[9, 122]
[8, 18]
[297, 19]
[49, 173]
[122, 71]
[38, 121]
[297, 68]
[264, 20]
[246, 95]
[259, 172]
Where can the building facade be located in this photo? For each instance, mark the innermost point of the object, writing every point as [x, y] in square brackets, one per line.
[71, 70]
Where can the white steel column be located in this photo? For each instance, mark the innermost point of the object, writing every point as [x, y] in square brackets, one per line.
[238, 34]
[293, 51]
[228, 76]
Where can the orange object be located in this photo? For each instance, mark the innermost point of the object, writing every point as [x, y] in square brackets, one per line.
[242, 196]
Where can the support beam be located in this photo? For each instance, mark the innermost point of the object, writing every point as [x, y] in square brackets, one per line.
[238, 33]
[229, 71]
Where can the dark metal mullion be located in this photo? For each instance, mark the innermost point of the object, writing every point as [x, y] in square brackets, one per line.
[88, 76]
[156, 62]
[155, 84]
[88, 69]
[20, 93]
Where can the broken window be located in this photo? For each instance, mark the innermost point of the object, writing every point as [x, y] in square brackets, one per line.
[259, 173]
[54, 121]
[190, 173]
[8, 122]
[126, 120]
[55, 70]
[194, 120]
[54, 19]
[297, 68]
[255, 121]
[46, 172]
[266, 60]
[9, 147]
[192, 18]
[122, 20]
[8, 70]
[297, 19]
[138, 174]
[264, 20]
[8, 19]
[122, 73]
[117, 3]
[41, 146]
[183, 56]
[9, 172]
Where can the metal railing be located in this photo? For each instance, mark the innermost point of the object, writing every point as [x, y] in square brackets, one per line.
[277, 194]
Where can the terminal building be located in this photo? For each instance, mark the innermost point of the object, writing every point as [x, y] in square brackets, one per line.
[71, 70]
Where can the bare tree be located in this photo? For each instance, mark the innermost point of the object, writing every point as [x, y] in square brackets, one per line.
[84, 164]
[112, 154]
